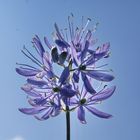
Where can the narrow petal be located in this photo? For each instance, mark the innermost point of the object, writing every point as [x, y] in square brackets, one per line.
[61, 43]
[90, 60]
[38, 82]
[76, 77]
[47, 61]
[73, 101]
[31, 111]
[45, 116]
[74, 56]
[40, 101]
[26, 72]
[59, 35]
[64, 76]
[105, 94]
[81, 114]
[40, 118]
[38, 45]
[54, 54]
[58, 32]
[30, 92]
[87, 84]
[56, 111]
[98, 113]
[27, 87]
[47, 43]
[84, 51]
[100, 76]
[67, 92]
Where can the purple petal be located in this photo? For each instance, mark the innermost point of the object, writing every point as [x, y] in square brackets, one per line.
[87, 84]
[56, 111]
[90, 60]
[29, 91]
[31, 111]
[57, 31]
[61, 43]
[73, 101]
[83, 54]
[100, 76]
[47, 60]
[67, 92]
[81, 115]
[27, 87]
[105, 94]
[26, 72]
[47, 43]
[38, 82]
[64, 76]
[40, 101]
[76, 76]
[38, 45]
[45, 116]
[74, 56]
[59, 35]
[98, 113]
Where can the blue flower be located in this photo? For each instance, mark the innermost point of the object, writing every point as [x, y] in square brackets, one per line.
[50, 92]
[43, 108]
[88, 101]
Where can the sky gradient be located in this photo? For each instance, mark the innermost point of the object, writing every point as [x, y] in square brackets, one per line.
[119, 23]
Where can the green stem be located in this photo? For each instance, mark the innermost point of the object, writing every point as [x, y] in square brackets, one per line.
[67, 123]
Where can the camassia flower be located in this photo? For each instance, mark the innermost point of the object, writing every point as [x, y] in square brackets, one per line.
[88, 101]
[53, 83]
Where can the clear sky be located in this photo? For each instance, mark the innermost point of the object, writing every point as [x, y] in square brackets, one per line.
[119, 22]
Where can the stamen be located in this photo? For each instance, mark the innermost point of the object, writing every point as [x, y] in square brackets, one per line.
[31, 59]
[82, 22]
[62, 33]
[84, 28]
[66, 34]
[72, 24]
[35, 48]
[88, 35]
[58, 32]
[102, 66]
[98, 91]
[31, 55]
[85, 93]
[70, 28]
[88, 20]
[95, 27]
[76, 36]
[97, 67]
[26, 65]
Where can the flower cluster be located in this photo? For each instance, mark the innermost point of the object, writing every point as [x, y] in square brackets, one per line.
[75, 53]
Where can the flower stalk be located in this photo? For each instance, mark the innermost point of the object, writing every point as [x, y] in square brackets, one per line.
[67, 123]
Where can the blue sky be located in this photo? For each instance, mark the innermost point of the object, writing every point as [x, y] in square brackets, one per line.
[119, 22]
